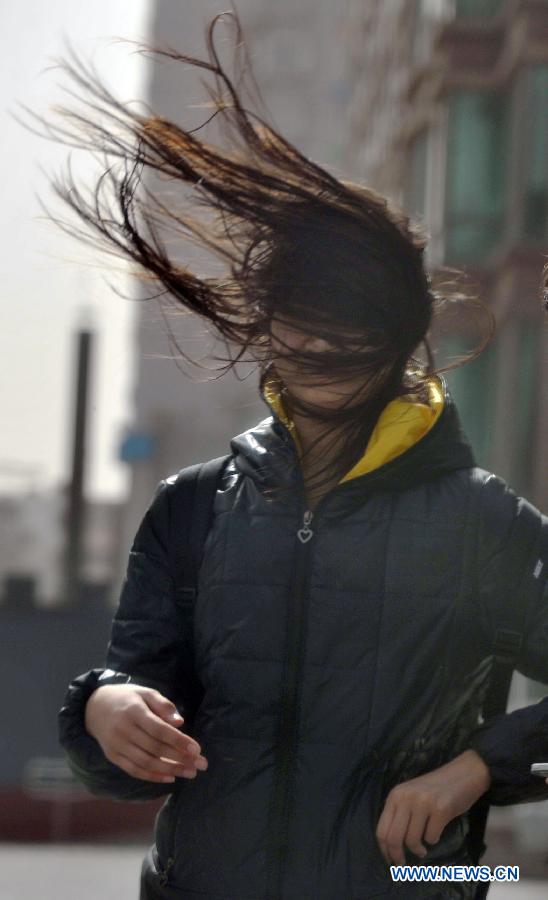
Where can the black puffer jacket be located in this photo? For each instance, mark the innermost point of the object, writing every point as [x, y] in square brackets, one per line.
[333, 664]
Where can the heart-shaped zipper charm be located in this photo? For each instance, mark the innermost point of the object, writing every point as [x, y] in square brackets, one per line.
[304, 534]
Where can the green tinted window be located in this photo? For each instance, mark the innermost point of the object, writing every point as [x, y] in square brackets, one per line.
[472, 387]
[477, 8]
[476, 174]
[535, 197]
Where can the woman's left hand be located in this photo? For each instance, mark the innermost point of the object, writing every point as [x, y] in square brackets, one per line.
[419, 809]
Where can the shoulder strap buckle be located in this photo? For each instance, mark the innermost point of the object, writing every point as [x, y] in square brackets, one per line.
[507, 645]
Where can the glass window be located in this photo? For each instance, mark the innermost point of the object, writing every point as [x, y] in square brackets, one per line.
[476, 170]
[535, 195]
[415, 199]
[477, 8]
[473, 387]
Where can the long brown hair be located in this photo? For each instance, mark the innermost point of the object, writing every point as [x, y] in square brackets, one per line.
[298, 243]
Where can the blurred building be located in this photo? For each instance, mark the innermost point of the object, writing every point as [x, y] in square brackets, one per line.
[298, 58]
[43, 649]
[31, 546]
[32, 539]
[46, 642]
[448, 115]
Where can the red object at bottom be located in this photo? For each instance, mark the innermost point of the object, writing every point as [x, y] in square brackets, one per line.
[24, 818]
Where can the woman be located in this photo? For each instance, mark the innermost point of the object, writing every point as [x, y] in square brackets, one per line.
[348, 594]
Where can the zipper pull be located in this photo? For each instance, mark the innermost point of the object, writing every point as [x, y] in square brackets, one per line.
[163, 874]
[305, 533]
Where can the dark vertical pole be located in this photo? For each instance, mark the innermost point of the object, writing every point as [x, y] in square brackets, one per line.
[75, 507]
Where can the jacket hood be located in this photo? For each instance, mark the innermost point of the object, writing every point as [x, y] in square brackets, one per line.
[412, 442]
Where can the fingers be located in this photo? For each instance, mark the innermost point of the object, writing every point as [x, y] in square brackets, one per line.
[157, 702]
[416, 833]
[147, 747]
[182, 744]
[140, 764]
[417, 811]
[390, 834]
[144, 770]
[159, 749]
[406, 822]
[436, 823]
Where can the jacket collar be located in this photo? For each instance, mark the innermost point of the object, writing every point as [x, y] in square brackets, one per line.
[401, 424]
[410, 444]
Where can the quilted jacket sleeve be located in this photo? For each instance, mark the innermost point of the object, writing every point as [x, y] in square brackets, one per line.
[510, 742]
[145, 648]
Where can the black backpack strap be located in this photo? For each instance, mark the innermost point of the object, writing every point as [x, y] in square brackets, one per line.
[191, 510]
[521, 553]
[512, 597]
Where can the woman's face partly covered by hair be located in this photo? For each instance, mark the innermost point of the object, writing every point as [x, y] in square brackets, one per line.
[290, 337]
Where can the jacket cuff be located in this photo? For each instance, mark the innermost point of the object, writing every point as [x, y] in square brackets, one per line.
[508, 745]
[85, 755]
[71, 719]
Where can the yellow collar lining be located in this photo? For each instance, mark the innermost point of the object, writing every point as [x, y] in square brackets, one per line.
[401, 424]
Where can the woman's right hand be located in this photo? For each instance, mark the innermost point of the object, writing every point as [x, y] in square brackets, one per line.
[137, 730]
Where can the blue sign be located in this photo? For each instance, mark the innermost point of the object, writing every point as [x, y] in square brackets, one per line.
[136, 447]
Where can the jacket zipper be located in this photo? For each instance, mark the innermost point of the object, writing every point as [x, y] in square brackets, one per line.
[164, 873]
[280, 807]
[280, 810]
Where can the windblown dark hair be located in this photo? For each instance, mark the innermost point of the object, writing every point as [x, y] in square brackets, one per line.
[300, 245]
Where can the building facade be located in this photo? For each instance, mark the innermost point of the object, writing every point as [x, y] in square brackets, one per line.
[32, 546]
[449, 117]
